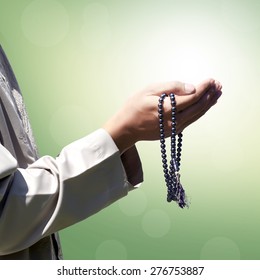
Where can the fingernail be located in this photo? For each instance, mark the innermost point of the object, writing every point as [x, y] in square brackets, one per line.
[219, 93]
[189, 88]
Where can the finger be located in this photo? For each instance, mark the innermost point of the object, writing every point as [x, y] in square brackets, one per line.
[176, 87]
[218, 86]
[183, 102]
[197, 110]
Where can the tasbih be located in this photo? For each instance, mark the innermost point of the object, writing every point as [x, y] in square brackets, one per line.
[175, 191]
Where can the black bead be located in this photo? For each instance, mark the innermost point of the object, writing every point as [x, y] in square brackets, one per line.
[162, 141]
[161, 100]
[164, 161]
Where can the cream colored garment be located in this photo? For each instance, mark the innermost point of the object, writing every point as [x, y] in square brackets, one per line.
[40, 196]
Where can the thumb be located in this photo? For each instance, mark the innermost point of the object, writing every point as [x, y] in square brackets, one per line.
[175, 87]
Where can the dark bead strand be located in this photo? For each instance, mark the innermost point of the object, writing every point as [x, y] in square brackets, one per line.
[175, 191]
[162, 139]
[178, 156]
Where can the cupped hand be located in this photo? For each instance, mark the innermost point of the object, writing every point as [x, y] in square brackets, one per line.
[138, 119]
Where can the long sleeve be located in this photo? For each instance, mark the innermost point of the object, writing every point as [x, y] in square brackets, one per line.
[54, 193]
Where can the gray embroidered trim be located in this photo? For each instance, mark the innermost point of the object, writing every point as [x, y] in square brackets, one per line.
[24, 117]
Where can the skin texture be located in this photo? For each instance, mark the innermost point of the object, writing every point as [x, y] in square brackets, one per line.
[137, 119]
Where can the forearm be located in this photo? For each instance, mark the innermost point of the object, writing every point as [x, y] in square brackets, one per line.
[51, 194]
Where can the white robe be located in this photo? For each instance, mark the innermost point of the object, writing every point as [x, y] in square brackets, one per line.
[41, 195]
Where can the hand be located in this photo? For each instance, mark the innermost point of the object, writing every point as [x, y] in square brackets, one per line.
[138, 119]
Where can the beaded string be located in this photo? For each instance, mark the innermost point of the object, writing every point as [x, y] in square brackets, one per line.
[175, 191]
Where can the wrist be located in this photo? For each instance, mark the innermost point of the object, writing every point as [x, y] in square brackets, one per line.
[120, 133]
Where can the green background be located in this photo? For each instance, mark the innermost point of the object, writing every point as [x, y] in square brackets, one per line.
[77, 61]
